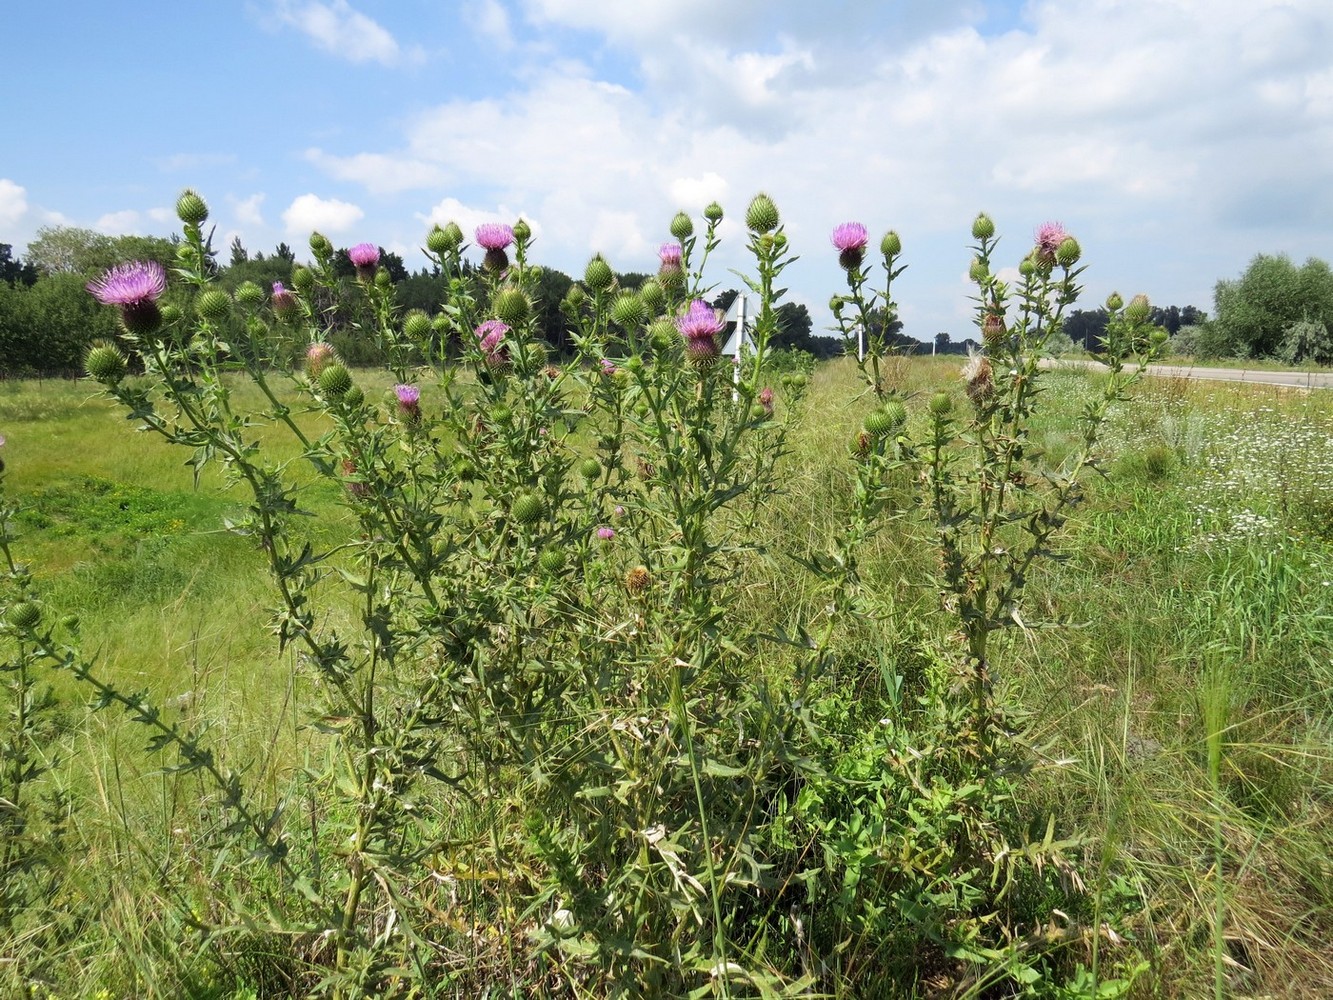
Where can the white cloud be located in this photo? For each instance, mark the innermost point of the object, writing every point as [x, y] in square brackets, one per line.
[13, 202]
[246, 210]
[490, 19]
[165, 216]
[309, 212]
[124, 223]
[341, 31]
[469, 217]
[695, 193]
[380, 173]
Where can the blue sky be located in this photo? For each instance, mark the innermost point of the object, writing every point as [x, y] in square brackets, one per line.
[1175, 138]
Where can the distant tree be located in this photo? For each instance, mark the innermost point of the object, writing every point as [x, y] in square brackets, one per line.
[289, 255]
[14, 270]
[69, 250]
[1255, 311]
[46, 328]
[1086, 327]
[793, 327]
[239, 255]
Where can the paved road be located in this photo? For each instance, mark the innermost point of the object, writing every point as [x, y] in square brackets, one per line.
[1303, 380]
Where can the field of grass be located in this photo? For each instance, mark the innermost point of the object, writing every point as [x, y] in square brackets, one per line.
[1173, 677]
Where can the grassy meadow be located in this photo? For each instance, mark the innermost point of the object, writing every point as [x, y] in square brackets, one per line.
[1173, 672]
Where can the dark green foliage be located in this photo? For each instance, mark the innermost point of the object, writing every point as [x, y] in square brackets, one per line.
[45, 329]
[1254, 311]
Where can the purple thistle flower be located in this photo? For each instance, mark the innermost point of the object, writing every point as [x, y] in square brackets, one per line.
[606, 533]
[491, 333]
[608, 367]
[700, 327]
[364, 256]
[494, 236]
[135, 287]
[850, 236]
[318, 356]
[1049, 237]
[284, 302]
[409, 400]
[766, 400]
[670, 254]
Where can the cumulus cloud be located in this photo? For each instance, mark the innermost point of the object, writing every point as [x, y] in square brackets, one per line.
[309, 212]
[123, 223]
[380, 173]
[490, 20]
[13, 202]
[342, 31]
[246, 210]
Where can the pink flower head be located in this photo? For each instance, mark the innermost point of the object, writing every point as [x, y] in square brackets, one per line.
[491, 333]
[364, 256]
[670, 254]
[409, 399]
[317, 357]
[284, 302]
[131, 284]
[850, 236]
[494, 236]
[766, 400]
[1049, 237]
[700, 326]
[135, 287]
[606, 533]
[608, 367]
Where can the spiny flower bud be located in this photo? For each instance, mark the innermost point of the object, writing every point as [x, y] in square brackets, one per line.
[501, 414]
[436, 240]
[653, 296]
[1027, 266]
[1068, 252]
[1139, 309]
[762, 214]
[682, 226]
[940, 404]
[590, 468]
[992, 328]
[25, 615]
[1114, 303]
[529, 507]
[1158, 337]
[983, 227]
[575, 297]
[191, 208]
[416, 325]
[662, 334]
[106, 364]
[522, 231]
[978, 379]
[551, 560]
[335, 381]
[318, 356]
[638, 580]
[713, 212]
[453, 235]
[303, 280]
[354, 397]
[511, 305]
[320, 245]
[214, 304]
[978, 272]
[382, 278]
[628, 311]
[249, 294]
[597, 275]
[891, 245]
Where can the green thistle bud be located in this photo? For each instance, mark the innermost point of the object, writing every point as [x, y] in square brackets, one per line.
[978, 272]
[106, 364]
[835, 305]
[598, 275]
[382, 278]
[25, 615]
[891, 245]
[436, 241]
[798, 380]
[551, 560]
[214, 305]
[878, 423]
[628, 311]
[682, 226]
[501, 414]
[653, 296]
[1139, 309]
[634, 364]
[590, 468]
[758, 413]
[713, 212]
[940, 404]
[170, 314]
[354, 397]
[1158, 337]
[896, 412]
[1068, 252]
[1027, 266]
[511, 305]
[1114, 303]
[528, 508]
[303, 279]
[70, 622]
[522, 231]
[335, 381]
[416, 325]
[983, 227]
[762, 214]
[576, 296]
[453, 235]
[440, 324]
[662, 334]
[320, 245]
[463, 470]
[249, 294]
[191, 209]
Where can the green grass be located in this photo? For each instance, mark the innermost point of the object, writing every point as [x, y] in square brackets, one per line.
[1176, 677]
